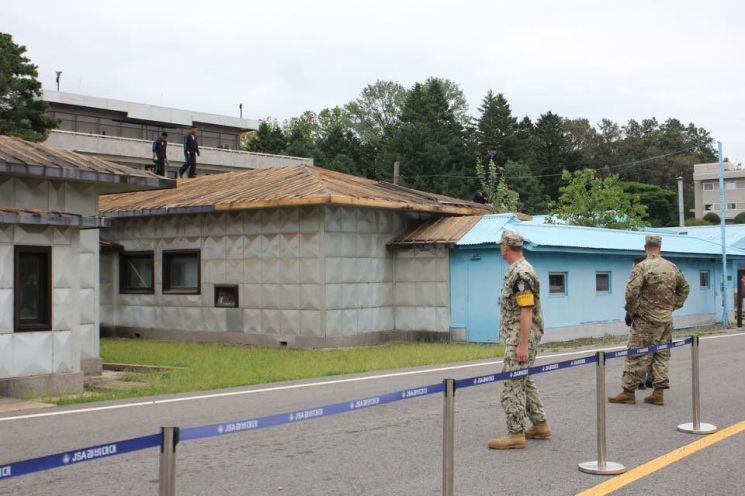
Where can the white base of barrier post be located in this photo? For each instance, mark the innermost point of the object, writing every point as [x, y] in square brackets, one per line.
[167, 472]
[601, 466]
[607, 468]
[696, 427]
[703, 428]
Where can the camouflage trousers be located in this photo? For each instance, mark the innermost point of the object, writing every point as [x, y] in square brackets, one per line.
[635, 370]
[520, 396]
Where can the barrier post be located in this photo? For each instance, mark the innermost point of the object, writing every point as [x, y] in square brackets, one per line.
[167, 476]
[601, 466]
[696, 427]
[448, 437]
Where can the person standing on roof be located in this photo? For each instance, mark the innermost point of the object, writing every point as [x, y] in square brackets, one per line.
[191, 150]
[655, 288]
[160, 154]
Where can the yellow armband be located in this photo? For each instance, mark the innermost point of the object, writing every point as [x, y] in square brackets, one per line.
[525, 299]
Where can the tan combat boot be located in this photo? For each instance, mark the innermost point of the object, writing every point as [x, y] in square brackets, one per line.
[656, 398]
[625, 396]
[538, 431]
[510, 441]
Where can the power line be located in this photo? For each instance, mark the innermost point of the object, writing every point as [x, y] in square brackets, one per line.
[558, 174]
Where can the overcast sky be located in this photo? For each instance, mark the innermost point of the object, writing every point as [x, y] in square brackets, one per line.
[594, 59]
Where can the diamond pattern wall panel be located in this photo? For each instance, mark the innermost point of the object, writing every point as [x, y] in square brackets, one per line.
[6, 311]
[88, 341]
[32, 193]
[6, 355]
[6, 265]
[32, 353]
[65, 352]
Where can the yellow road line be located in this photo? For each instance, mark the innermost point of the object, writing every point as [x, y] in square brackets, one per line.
[661, 462]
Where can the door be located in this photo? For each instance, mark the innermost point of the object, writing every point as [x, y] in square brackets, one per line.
[485, 272]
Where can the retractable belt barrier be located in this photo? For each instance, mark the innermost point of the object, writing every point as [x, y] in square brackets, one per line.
[448, 386]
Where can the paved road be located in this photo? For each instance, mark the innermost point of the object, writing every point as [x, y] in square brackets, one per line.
[396, 449]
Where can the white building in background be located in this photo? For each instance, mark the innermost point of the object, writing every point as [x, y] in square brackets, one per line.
[706, 189]
[49, 245]
[123, 132]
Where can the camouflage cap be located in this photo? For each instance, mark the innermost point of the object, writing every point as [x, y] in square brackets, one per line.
[511, 238]
[653, 240]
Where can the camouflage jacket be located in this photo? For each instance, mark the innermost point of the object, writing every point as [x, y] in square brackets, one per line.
[655, 288]
[520, 277]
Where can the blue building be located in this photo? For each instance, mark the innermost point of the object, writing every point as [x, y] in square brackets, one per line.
[583, 273]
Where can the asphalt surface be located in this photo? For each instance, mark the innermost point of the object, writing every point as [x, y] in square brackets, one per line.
[396, 449]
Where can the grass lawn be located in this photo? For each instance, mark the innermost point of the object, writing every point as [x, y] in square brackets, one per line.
[202, 366]
[212, 366]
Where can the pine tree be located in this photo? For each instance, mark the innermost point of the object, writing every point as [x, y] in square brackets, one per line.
[22, 112]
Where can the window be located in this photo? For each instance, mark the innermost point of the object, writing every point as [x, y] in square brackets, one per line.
[730, 185]
[731, 206]
[602, 282]
[557, 283]
[33, 288]
[708, 207]
[181, 272]
[136, 272]
[708, 186]
[703, 279]
[226, 295]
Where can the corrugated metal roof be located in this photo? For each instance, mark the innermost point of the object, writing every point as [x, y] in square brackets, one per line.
[445, 230]
[539, 236]
[735, 235]
[23, 158]
[488, 229]
[280, 187]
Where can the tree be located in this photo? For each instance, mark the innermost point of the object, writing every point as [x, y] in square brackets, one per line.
[740, 218]
[455, 97]
[430, 143]
[22, 112]
[661, 203]
[520, 179]
[552, 150]
[269, 138]
[376, 111]
[712, 218]
[495, 188]
[592, 201]
[496, 129]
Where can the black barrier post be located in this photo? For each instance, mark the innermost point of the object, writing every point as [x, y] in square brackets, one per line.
[167, 477]
[601, 466]
[696, 427]
[448, 437]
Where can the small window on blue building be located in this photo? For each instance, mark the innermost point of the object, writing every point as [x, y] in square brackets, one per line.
[703, 279]
[557, 283]
[602, 282]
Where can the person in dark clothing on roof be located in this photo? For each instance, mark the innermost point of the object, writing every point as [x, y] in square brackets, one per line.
[191, 150]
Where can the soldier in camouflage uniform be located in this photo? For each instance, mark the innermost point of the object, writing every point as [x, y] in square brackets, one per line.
[655, 288]
[521, 321]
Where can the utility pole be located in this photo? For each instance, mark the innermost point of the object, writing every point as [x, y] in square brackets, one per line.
[722, 210]
[681, 213]
[59, 74]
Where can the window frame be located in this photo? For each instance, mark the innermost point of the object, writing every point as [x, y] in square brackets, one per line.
[136, 254]
[708, 279]
[565, 275]
[166, 282]
[610, 279]
[234, 287]
[44, 324]
[708, 186]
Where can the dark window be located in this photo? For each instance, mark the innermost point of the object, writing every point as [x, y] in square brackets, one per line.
[181, 272]
[226, 295]
[33, 288]
[703, 278]
[557, 283]
[602, 282]
[136, 272]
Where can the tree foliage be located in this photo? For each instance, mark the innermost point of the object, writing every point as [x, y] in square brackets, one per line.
[495, 187]
[693, 221]
[589, 200]
[22, 112]
[712, 218]
[520, 179]
[661, 203]
[740, 218]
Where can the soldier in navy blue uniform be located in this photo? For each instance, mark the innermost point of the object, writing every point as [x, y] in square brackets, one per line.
[191, 150]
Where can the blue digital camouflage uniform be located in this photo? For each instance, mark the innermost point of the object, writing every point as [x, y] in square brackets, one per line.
[520, 396]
